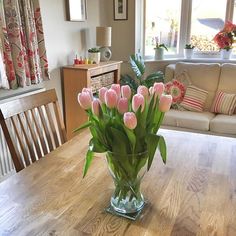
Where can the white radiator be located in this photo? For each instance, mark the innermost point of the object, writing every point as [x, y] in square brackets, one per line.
[6, 164]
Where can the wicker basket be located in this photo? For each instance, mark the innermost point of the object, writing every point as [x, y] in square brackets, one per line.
[104, 80]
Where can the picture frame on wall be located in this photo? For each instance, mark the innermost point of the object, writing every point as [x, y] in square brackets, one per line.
[76, 10]
[120, 9]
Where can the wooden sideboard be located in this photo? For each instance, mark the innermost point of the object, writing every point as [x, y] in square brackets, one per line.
[75, 78]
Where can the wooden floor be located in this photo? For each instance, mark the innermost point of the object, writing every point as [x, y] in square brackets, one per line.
[194, 194]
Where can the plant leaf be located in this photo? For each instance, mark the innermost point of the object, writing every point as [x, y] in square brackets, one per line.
[88, 161]
[96, 146]
[128, 80]
[137, 65]
[120, 142]
[152, 143]
[131, 136]
[83, 126]
[162, 148]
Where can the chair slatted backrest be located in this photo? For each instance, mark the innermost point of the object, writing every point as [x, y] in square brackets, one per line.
[32, 126]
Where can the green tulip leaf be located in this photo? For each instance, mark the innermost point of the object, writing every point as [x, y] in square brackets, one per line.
[83, 126]
[88, 161]
[152, 143]
[162, 148]
[96, 146]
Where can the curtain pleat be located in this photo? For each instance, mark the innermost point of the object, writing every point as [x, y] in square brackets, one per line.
[23, 42]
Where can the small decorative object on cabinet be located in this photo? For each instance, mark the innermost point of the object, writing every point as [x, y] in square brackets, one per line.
[75, 78]
[103, 39]
[188, 51]
[94, 55]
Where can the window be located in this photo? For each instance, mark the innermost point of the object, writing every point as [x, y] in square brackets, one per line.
[162, 25]
[178, 22]
[205, 23]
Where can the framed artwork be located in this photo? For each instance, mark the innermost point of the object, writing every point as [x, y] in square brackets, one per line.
[76, 10]
[120, 8]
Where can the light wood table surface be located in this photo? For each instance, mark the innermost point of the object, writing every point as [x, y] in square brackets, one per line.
[194, 194]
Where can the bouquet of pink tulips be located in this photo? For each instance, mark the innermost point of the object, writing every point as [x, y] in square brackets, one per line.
[125, 124]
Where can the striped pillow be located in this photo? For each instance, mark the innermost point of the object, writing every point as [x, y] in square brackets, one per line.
[194, 99]
[224, 103]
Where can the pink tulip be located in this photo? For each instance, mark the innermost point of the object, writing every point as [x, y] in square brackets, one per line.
[151, 90]
[89, 90]
[126, 91]
[85, 100]
[158, 89]
[137, 101]
[130, 120]
[165, 103]
[96, 107]
[111, 98]
[101, 94]
[143, 90]
[116, 87]
[122, 105]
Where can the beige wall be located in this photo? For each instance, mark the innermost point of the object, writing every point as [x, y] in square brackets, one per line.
[123, 32]
[62, 39]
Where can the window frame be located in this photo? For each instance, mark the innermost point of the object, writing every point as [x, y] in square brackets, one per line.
[185, 27]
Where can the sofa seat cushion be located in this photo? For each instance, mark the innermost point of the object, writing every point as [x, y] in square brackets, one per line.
[188, 119]
[223, 124]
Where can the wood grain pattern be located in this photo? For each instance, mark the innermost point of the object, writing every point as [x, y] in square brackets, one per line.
[194, 194]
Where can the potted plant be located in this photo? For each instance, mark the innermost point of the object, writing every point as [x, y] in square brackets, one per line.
[188, 51]
[138, 67]
[94, 55]
[124, 126]
[159, 51]
[225, 38]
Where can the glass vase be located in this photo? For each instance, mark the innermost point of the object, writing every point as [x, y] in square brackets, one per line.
[127, 171]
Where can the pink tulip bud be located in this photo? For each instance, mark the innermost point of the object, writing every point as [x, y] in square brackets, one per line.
[137, 101]
[111, 98]
[96, 107]
[130, 120]
[143, 90]
[89, 90]
[165, 103]
[116, 87]
[126, 91]
[85, 100]
[158, 89]
[122, 105]
[101, 94]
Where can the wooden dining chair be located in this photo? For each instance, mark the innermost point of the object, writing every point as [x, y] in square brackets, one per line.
[32, 126]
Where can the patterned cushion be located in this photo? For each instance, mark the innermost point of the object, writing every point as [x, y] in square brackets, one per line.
[194, 99]
[176, 89]
[224, 103]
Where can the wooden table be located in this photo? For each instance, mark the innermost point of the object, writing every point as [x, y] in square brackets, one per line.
[194, 194]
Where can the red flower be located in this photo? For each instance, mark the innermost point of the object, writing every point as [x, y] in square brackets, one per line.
[224, 39]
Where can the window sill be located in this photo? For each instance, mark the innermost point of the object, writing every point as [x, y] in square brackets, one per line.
[181, 59]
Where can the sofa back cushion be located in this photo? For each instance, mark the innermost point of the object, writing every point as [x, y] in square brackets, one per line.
[227, 81]
[202, 75]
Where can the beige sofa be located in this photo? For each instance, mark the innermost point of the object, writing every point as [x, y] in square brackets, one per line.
[211, 77]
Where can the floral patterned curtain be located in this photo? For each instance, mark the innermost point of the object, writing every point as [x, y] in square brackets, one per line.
[22, 42]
